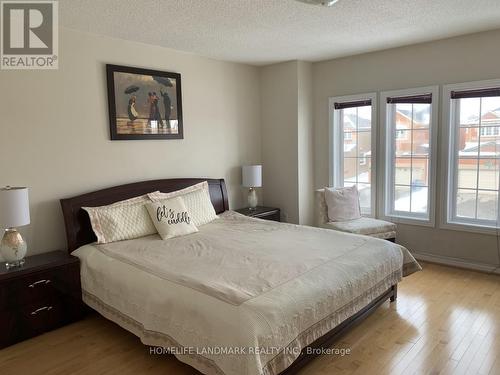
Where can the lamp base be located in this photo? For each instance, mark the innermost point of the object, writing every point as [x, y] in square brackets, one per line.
[252, 199]
[13, 248]
[14, 264]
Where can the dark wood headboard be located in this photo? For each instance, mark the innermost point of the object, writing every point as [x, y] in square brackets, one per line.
[78, 229]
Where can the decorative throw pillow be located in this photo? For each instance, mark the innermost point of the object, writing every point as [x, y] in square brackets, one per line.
[343, 203]
[122, 220]
[171, 218]
[197, 200]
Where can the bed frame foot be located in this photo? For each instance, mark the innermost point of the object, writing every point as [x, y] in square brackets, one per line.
[328, 339]
[394, 296]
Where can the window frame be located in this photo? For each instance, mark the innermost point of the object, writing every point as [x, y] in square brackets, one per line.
[448, 157]
[335, 144]
[386, 146]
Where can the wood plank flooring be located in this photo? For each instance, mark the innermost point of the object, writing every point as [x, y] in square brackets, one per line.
[445, 321]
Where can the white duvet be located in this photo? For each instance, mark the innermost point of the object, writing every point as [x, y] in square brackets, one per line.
[243, 295]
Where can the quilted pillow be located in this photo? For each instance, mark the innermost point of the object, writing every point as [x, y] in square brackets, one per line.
[197, 201]
[343, 203]
[171, 218]
[122, 220]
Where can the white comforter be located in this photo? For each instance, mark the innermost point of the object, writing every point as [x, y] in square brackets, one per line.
[241, 296]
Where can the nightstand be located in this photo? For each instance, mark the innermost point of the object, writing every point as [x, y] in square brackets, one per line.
[266, 213]
[42, 295]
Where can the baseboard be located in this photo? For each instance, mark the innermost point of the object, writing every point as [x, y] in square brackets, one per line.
[455, 262]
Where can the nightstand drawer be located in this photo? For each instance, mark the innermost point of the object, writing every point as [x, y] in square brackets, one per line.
[34, 319]
[43, 317]
[274, 216]
[32, 288]
[30, 320]
[17, 325]
[260, 212]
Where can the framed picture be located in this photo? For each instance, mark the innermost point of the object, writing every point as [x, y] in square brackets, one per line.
[143, 103]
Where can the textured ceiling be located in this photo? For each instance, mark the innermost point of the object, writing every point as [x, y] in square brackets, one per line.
[265, 31]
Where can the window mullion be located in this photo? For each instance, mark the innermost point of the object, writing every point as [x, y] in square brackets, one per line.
[498, 191]
[456, 145]
[411, 157]
[357, 147]
[340, 151]
[478, 157]
[392, 150]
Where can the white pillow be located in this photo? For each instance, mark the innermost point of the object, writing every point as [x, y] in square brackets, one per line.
[171, 218]
[197, 200]
[343, 203]
[122, 220]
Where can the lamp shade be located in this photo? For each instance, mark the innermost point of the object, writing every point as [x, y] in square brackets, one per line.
[252, 175]
[14, 207]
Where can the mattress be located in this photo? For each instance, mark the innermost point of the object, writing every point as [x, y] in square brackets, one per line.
[243, 295]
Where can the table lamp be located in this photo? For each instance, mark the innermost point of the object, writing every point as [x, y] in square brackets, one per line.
[14, 212]
[252, 178]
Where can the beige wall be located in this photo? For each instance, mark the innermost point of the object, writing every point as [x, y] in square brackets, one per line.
[279, 103]
[466, 58]
[305, 143]
[54, 127]
[287, 139]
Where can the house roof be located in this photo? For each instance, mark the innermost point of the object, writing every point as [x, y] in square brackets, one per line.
[420, 115]
[471, 149]
[363, 123]
[490, 116]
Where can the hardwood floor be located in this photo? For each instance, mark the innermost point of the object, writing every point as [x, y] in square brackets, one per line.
[445, 321]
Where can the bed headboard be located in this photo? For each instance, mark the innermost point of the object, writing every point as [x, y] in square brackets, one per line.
[78, 229]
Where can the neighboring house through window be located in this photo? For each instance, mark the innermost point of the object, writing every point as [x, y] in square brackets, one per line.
[352, 144]
[472, 118]
[408, 140]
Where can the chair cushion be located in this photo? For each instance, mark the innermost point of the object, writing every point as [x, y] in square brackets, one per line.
[342, 203]
[364, 225]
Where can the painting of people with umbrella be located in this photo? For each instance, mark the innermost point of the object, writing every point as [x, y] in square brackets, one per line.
[144, 104]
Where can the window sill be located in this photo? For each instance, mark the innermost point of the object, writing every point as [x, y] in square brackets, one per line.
[397, 219]
[472, 228]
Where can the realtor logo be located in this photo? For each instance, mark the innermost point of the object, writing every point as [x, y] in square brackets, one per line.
[29, 37]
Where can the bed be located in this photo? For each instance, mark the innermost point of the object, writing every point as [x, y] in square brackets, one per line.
[241, 296]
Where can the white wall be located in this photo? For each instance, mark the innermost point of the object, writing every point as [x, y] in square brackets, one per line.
[54, 132]
[461, 59]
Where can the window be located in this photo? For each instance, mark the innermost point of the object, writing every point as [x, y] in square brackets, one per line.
[408, 141]
[487, 131]
[352, 140]
[473, 120]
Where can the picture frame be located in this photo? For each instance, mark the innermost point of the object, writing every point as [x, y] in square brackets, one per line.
[144, 103]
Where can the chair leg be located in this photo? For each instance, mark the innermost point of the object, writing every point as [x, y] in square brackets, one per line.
[394, 293]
